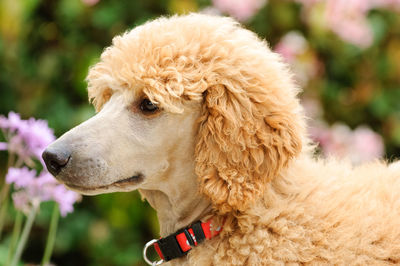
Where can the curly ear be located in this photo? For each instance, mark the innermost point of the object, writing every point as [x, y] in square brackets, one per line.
[246, 136]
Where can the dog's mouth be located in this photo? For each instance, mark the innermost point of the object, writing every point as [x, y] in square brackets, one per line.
[120, 184]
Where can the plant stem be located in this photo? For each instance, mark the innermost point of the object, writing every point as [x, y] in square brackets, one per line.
[6, 187]
[15, 235]
[51, 238]
[4, 209]
[5, 191]
[25, 233]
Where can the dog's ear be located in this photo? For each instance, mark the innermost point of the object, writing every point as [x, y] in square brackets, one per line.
[247, 135]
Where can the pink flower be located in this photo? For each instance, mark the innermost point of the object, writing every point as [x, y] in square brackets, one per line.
[90, 2]
[296, 51]
[368, 144]
[334, 141]
[242, 10]
[360, 145]
[291, 45]
[385, 3]
[348, 19]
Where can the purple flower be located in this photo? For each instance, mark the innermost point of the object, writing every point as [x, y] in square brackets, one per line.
[31, 189]
[17, 146]
[21, 177]
[37, 136]
[3, 146]
[12, 123]
[26, 138]
[65, 199]
[21, 201]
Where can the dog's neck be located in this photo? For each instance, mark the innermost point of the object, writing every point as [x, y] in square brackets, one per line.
[177, 202]
[176, 212]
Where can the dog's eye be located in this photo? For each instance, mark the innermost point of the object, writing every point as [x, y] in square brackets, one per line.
[147, 106]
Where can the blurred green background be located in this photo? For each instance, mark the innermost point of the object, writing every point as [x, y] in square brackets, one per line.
[47, 46]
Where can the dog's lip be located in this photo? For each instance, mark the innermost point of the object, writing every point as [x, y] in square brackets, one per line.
[135, 179]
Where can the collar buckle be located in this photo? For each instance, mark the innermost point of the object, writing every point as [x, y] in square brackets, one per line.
[149, 244]
[181, 242]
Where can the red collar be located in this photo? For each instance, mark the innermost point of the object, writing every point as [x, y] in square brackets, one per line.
[181, 242]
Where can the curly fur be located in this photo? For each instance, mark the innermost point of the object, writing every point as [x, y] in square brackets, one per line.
[253, 158]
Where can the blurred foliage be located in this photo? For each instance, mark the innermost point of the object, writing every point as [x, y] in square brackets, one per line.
[46, 47]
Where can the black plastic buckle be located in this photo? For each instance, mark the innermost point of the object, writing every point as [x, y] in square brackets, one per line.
[170, 248]
[198, 232]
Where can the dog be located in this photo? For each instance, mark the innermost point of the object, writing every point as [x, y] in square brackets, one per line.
[200, 116]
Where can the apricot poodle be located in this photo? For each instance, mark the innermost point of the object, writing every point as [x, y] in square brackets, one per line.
[201, 117]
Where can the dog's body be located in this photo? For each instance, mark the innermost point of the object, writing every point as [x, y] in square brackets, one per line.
[200, 116]
[317, 213]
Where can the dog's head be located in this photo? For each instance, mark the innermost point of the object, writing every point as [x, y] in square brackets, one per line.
[194, 92]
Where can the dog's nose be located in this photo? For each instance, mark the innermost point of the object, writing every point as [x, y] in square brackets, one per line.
[55, 159]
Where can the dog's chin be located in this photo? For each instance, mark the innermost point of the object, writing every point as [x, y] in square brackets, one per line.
[123, 185]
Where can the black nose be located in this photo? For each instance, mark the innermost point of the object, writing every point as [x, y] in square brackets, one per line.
[55, 159]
